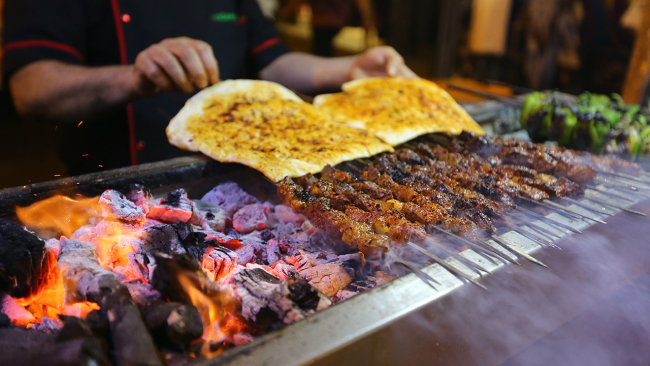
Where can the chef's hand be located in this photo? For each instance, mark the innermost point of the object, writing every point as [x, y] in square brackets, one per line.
[380, 61]
[175, 64]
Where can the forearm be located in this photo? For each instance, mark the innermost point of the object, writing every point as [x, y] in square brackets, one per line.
[307, 73]
[52, 90]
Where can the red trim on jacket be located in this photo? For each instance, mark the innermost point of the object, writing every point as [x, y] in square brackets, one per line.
[43, 43]
[121, 42]
[264, 45]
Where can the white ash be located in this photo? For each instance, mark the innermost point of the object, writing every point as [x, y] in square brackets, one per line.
[258, 290]
[140, 196]
[54, 245]
[247, 254]
[208, 216]
[80, 269]
[230, 197]
[115, 205]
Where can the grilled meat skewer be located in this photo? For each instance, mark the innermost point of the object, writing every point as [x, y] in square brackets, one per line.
[517, 152]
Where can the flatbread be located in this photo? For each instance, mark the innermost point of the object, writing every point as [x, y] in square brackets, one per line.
[397, 110]
[267, 127]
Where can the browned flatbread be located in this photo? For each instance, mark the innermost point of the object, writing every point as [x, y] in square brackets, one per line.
[267, 127]
[397, 109]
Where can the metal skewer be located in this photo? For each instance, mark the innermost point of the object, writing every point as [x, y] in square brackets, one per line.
[445, 264]
[542, 217]
[617, 184]
[575, 213]
[544, 231]
[610, 193]
[587, 207]
[425, 277]
[623, 175]
[454, 254]
[518, 251]
[481, 250]
[602, 202]
[531, 236]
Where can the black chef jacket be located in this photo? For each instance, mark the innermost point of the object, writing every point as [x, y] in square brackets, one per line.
[109, 32]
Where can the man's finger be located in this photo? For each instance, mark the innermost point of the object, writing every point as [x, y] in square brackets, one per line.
[172, 67]
[394, 61]
[191, 61]
[406, 72]
[154, 74]
[209, 61]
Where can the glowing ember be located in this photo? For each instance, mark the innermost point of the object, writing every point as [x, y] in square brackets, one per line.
[217, 308]
[59, 215]
[47, 300]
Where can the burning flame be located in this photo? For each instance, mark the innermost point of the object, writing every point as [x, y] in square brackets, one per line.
[217, 308]
[59, 215]
[47, 300]
[63, 215]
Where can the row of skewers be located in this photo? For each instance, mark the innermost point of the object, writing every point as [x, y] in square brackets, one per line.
[472, 191]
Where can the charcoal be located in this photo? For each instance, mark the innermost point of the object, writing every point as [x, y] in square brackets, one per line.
[178, 238]
[165, 279]
[250, 218]
[5, 322]
[379, 278]
[218, 262]
[273, 253]
[116, 206]
[140, 196]
[192, 241]
[230, 197]
[208, 216]
[174, 207]
[302, 260]
[307, 296]
[285, 214]
[24, 262]
[20, 347]
[98, 321]
[246, 254]
[142, 293]
[285, 271]
[48, 325]
[86, 280]
[74, 328]
[173, 325]
[266, 235]
[216, 238]
[329, 278]
[353, 263]
[265, 299]
[345, 294]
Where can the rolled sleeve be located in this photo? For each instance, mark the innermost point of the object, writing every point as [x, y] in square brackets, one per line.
[35, 30]
[263, 38]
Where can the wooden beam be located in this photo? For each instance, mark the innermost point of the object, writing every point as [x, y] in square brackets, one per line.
[638, 72]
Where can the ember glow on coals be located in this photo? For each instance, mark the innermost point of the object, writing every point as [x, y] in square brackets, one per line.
[46, 302]
[243, 266]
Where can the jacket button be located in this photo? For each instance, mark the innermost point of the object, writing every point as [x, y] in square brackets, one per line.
[139, 146]
[126, 18]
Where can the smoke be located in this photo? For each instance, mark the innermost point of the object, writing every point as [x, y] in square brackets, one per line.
[591, 307]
